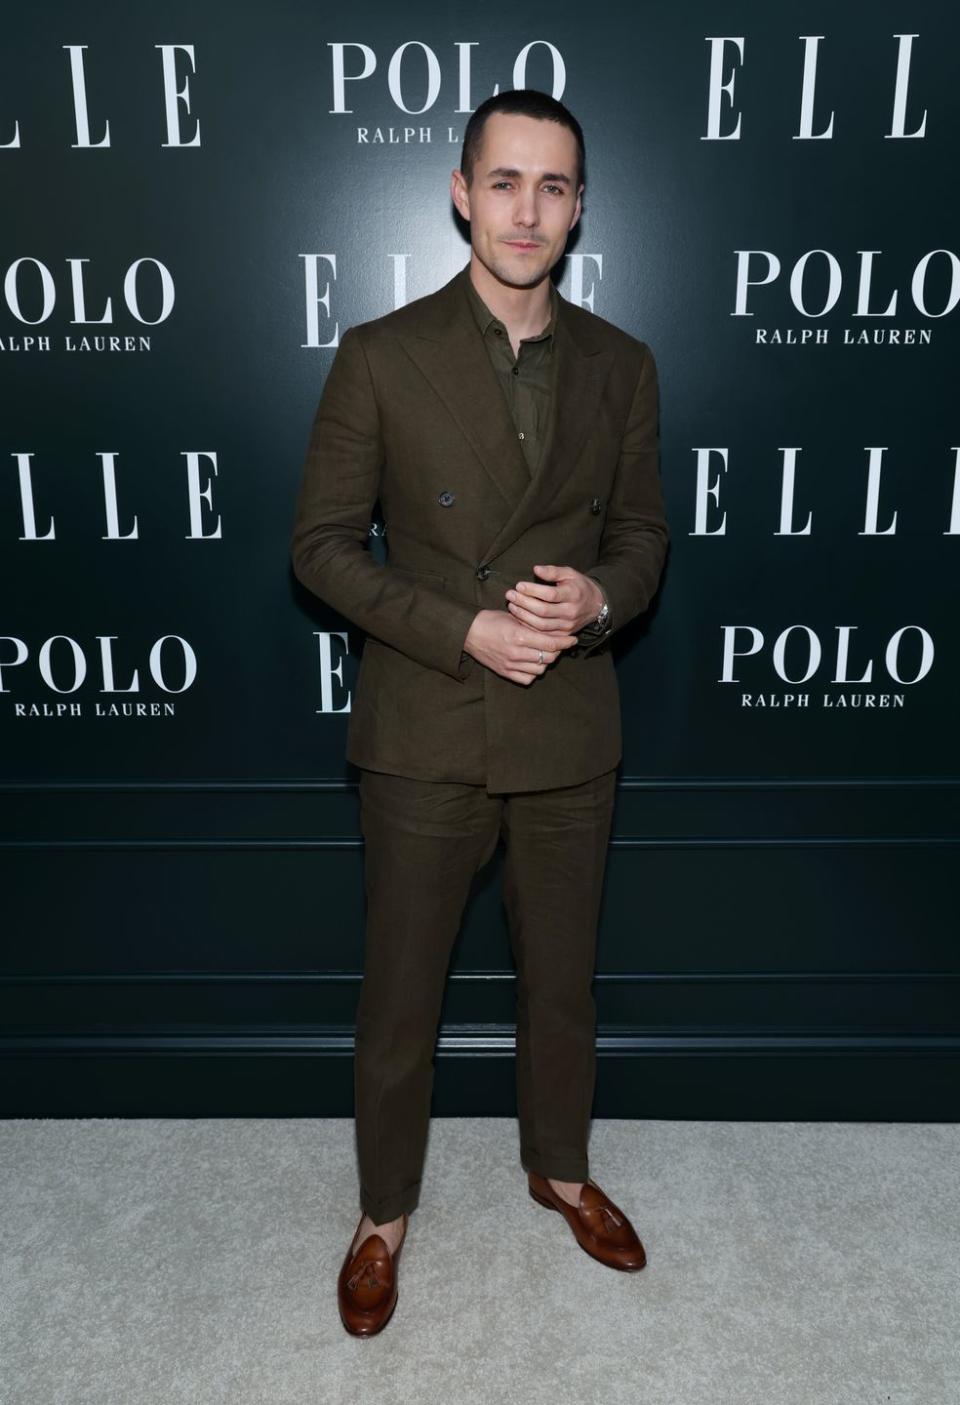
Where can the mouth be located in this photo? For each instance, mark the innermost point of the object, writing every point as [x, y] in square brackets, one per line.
[520, 244]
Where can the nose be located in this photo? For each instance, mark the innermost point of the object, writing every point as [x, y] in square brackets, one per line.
[525, 212]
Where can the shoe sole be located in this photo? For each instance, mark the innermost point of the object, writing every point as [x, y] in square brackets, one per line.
[622, 1268]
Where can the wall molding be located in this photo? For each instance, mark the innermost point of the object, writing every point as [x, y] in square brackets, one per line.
[490, 1040]
[343, 784]
[66, 978]
[221, 842]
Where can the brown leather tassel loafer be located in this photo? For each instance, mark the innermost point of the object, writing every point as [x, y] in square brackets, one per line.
[367, 1286]
[600, 1228]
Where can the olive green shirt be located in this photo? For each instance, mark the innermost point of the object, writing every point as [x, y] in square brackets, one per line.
[527, 379]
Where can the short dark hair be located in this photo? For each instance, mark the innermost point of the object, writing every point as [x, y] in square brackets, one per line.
[528, 102]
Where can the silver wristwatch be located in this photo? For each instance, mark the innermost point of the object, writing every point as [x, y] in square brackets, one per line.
[598, 625]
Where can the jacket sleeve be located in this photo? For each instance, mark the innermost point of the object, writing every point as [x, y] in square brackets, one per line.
[633, 547]
[330, 543]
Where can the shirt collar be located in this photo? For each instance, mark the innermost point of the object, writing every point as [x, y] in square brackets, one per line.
[484, 317]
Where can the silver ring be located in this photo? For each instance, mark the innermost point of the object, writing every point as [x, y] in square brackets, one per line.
[540, 659]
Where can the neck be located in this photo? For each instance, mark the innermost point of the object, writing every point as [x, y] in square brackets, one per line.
[523, 311]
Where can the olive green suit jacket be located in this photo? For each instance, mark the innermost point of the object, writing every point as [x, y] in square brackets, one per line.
[412, 414]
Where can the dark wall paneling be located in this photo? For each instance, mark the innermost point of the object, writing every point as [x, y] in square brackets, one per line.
[735, 988]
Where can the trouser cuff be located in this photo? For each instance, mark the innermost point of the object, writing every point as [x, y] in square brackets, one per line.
[557, 1168]
[390, 1207]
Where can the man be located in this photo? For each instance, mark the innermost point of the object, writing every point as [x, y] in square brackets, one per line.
[511, 438]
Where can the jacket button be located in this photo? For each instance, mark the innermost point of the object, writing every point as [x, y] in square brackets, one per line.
[446, 498]
[594, 506]
[483, 572]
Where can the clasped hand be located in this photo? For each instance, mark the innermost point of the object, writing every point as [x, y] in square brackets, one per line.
[543, 619]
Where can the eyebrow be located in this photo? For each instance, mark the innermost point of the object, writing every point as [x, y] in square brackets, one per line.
[547, 175]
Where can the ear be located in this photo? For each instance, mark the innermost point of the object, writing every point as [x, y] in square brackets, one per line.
[460, 195]
[577, 208]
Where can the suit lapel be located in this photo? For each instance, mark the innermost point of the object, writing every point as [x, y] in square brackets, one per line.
[449, 351]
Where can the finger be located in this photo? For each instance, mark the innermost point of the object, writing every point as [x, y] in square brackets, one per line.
[552, 573]
[541, 605]
[529, 656]
[538, 590]
[548, 638]
[547, 624]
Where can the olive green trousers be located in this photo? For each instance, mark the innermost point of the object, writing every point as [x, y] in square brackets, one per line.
[423, 843]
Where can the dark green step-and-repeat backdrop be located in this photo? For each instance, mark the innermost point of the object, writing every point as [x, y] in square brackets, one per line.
[198, 199]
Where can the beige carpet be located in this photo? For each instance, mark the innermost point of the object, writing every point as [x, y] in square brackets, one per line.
[193, 1262]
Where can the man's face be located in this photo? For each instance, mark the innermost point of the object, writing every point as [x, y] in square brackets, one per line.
[524, 198]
